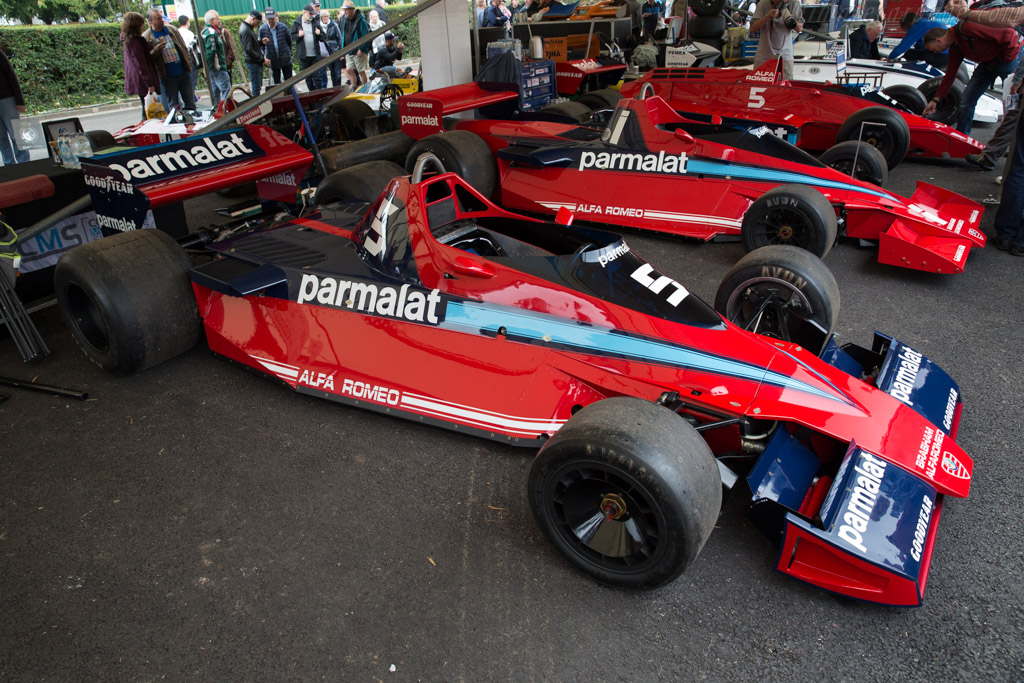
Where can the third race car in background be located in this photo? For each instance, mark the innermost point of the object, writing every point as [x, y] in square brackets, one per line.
[651, 169]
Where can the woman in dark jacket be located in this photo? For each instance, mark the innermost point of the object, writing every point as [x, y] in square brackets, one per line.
[140, 76]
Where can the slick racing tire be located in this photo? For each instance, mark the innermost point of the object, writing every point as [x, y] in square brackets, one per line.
[606, 98]
[627, 491]
[907, 95]
[870, 164]
[706, 8]
[362, 182]
[796, 215]
[128, 300]
[948, 110]
[765, 288]
[883, 127]
[463, 153]
[350, 116]
[707, 27]
[577, 111]
[100, 139]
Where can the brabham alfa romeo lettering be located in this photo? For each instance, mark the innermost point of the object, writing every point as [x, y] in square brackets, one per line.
[317, 380]
[906, 374]
[929, 450]
[634, 161]
[870, 472]
[393, 302]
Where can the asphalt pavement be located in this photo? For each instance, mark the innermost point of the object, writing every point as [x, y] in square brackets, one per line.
[199, 522]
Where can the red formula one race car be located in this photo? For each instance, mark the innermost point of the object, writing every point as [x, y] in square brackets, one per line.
[433, 304]
[653, 170]
[814, 115]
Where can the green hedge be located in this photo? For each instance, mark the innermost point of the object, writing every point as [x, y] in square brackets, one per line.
[75, 65]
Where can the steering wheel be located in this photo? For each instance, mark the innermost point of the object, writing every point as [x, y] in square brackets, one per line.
[389, 97]
[422, 161]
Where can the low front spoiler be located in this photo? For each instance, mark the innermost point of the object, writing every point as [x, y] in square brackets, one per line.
[931, 243]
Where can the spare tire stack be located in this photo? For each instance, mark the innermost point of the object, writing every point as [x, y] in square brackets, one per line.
[709, 25]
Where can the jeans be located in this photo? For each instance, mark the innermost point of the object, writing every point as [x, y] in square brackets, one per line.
[277, 69]
[220, 83]
[1011, 201]
[313, 81]
[175, 87]
[8, 146]
[335, 74]
[256, 77]
[983, 78]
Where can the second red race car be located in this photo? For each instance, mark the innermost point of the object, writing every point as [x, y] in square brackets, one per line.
[651, 169]
[816, 115]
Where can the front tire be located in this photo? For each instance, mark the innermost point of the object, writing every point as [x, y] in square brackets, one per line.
[128, 300]
[761, 291]
[796, 215]
[883, 127]
[627, 491]
[858, 160]
[948, 111]
[908, 96]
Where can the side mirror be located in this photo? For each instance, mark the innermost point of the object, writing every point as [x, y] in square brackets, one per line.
[464, 265]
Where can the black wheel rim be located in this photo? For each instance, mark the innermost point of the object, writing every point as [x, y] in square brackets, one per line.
[86, 317]
[763, 306]
[784, 225]
[861, 172]
[880, 137]
[608, 518]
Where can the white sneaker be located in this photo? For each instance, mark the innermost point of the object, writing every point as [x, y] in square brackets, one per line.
[999, 180]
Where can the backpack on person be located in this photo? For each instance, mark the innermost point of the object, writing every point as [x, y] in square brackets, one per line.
[193, 51]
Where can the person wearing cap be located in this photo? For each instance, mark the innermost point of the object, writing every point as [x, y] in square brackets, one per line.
[384, 59]
[353, 27]
[307, 36]
[277, 46]
[252, 49]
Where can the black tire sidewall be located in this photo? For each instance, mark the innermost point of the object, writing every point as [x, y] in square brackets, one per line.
[799, 268]
[896, 129]
[362, 182]
[862, 152]
[463, 153]
[908, 96]
[802, 200]
[949, 107]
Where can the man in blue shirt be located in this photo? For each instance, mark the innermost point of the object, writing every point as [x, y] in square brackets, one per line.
[911, 44]
[277, 45]
[650, 11]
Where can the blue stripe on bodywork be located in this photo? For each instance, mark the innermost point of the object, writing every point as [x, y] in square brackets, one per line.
[731, 170]
[477, 318]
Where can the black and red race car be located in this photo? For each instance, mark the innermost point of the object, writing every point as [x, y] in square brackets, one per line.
[651, 169]
[433, 304]
[814, 116]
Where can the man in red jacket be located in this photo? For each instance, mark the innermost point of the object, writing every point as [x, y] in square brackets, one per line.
[995, 51]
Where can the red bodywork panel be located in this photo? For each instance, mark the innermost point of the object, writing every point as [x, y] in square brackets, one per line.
[812, 108]
[933, 230]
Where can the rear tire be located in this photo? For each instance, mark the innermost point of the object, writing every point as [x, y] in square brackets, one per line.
[707, 8]
[885, 129]
[627, 491]
[907, 95]
[605, 98]
[463, 153]
[761, 289]
[794, 215]
[128, 300]
[707, 27]
[948, 111]
[100, 139]
[350, 116]
[871, 166]
[362, 182]
[576, 111]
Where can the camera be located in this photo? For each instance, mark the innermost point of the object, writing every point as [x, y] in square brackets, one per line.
[787, 17]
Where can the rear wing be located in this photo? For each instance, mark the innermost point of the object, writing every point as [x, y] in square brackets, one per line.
[125, 185]
[422, 114]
